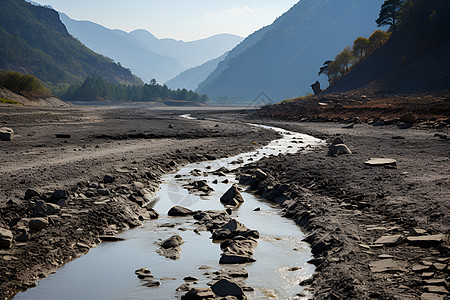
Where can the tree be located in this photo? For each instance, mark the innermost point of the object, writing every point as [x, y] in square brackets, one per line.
[389, 14]
[361, 47]
[153, 82]
[344, 59]
[377, 38]
[324, 69]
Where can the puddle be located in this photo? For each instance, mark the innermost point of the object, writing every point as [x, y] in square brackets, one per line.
[107, 271]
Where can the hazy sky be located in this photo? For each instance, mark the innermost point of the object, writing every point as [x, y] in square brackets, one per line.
[179, 19]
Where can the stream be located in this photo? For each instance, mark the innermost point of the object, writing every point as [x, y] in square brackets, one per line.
[107, 271]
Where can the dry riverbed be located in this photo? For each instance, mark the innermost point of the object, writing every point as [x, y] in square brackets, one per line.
[375, 232]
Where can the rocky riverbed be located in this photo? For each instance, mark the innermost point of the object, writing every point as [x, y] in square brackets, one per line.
[376, 232]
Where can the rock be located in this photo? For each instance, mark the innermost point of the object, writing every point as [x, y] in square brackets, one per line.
[30, 193]
[381, 162]
[170, 125]
[235, 226]
[402, 125]
[62, 136]
[6, 134]
[173, 241]
[110, 238]
[316, 88]
[58, 195]
[436, 289]
[143, 273]
[260, 174]
[215, 181]
[103, 192]
[183, 288]
[179, 211]
[232, 197]
[389, 239]
[409, 118]
[42, 209]
[229, 258]
[349, 126]
[386, 265]
[398, 137]
[152, 283]
[430, 296]
[190, 278]
[441, 136]
[337, 140]
[338, 149]
[108, 179]
[199, 294]
[153, 214]
[426, 240]
[6, 238]
[38, 224]
[225, 287]
[170, 253]
[62, 203]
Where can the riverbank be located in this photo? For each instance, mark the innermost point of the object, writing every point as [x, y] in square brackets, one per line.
[344, 205]
[71, 176]
[376, 232]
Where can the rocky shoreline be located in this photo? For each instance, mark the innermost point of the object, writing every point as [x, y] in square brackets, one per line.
[375, 232]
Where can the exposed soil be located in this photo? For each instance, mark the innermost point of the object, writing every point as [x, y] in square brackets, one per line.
[343, 205]
[133, 146]
[346, 207]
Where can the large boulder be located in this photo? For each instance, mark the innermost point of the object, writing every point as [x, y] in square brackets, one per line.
[6, 134]
[179, 211]
[408, 118]
[231, 258]
[338, 149]
[232, 197]
[225, 287]
[6, 238]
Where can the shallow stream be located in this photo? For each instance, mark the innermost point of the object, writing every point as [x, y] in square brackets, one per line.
[107, 271]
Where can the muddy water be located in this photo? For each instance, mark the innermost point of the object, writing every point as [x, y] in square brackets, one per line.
[107, 271]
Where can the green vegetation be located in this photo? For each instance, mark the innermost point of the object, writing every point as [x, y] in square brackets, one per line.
[390, 13]
[18, 82]
[34, 41]
[7, 101]
[350, 56]
[93, 89]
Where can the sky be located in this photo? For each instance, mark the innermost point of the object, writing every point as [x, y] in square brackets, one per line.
[179, 19]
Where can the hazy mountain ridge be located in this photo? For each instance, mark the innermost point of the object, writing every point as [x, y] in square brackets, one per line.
[283, 58]
[125, 49]
[147, 56]
[34, 41]
[191, 78]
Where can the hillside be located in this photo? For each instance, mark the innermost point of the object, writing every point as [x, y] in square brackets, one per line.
[34, 41]
[124, 48]
[283, 59]
[191, 78]
[414, 60]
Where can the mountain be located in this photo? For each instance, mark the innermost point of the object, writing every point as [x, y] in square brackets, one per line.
[124, 48]
[282, 60]
[191, 78]
[144, 54]
[189, 54]
[34, 41]
[414, 60]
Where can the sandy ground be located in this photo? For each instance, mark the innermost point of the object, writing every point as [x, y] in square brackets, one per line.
[343, 205]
